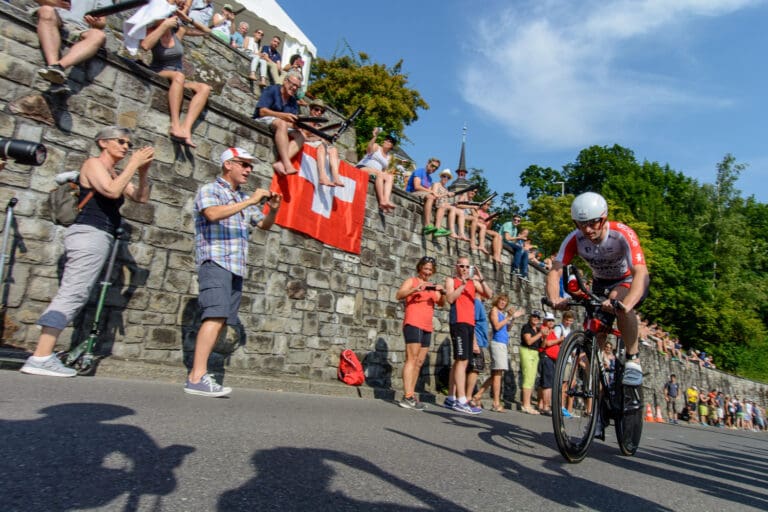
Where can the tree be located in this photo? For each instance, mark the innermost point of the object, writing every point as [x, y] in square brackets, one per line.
[541, 181]
[349, 81]
[595, 165]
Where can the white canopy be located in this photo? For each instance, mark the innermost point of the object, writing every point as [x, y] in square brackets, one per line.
[273, 14]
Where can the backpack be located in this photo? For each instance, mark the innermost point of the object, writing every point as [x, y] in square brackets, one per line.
[350, 370]
[63, 203]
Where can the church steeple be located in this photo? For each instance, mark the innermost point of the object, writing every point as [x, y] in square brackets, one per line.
[462, 158]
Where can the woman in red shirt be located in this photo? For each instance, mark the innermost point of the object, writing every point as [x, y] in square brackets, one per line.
[420, 298]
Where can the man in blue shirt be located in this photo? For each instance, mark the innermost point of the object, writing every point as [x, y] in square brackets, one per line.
[278, 110]
[420, 185]
[224, 216]
[238, 38]
[271, 58]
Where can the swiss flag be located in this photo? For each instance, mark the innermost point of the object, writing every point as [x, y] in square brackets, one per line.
[333, 215]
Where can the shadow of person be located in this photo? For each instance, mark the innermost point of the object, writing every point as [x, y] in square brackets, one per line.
[289, 479]
[72, 459]
[378, 370]
[443, 363]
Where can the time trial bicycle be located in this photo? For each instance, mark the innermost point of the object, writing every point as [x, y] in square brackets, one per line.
[587, 393]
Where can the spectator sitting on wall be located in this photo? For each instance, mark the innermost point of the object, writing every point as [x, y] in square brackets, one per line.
[442, 202]
[457, 218]
[278, 110]
[513, 240]
[327, 154]
[223, 23]
[420, 185]
[480, 228]
[295, 64]
[237, 40]
[60, 19]
[251, 46]
[200, 13]
[167, 54]
[269, 63]
[376, 161]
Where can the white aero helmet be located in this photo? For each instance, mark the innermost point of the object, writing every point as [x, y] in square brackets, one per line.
[588, 206]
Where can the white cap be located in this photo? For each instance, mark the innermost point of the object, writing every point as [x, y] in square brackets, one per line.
[238, 153]
[446, 172]
[549, 316]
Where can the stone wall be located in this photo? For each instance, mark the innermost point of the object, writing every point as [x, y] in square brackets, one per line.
[303, 302]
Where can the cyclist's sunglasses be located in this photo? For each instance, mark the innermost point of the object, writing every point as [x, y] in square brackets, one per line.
[592, 223]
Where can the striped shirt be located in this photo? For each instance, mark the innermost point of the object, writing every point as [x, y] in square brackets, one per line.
[225, 242]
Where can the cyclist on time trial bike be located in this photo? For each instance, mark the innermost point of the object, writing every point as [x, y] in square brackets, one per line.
[613, 252]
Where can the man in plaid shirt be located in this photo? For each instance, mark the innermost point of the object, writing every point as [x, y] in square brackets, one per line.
[224, 216]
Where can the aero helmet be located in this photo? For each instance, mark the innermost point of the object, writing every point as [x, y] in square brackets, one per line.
[588, 206]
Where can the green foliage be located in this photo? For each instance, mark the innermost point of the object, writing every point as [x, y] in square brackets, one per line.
[350, 81]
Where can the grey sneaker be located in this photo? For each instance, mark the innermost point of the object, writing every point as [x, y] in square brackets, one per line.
[411, 403]
[60, 89]
[53, 73]
[206, 387]
[466, 408]
[633, 374]
[51, 367]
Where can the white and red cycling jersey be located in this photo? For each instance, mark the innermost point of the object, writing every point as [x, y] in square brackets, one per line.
[612, 259]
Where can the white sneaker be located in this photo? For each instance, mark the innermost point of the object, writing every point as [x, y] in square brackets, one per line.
[50, 367]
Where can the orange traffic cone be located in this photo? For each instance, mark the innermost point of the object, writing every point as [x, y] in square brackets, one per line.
[648, 413]
[659, 417]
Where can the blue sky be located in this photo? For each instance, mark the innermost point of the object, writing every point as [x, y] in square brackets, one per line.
[680, 82]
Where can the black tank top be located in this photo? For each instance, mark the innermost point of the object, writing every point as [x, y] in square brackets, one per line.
[100, 211]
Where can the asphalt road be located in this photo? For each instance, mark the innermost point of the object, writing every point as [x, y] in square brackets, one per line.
[107, 444]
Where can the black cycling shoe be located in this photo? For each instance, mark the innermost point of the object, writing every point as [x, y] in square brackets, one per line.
[633, 400]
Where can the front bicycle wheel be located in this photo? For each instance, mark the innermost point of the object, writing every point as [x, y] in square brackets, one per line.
[575, 397]
[629, 424]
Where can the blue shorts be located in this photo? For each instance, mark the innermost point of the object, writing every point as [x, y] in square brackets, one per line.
[220, 292]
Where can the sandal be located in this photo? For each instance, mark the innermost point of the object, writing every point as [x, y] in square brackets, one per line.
[476, 403]
[529, 410]
[498, 408]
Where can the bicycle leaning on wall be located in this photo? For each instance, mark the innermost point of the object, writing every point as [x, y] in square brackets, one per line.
[588, 393]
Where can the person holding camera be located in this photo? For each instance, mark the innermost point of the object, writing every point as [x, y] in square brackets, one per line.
[88, 241]
[224, 216]
[460, 291]
[420, 297]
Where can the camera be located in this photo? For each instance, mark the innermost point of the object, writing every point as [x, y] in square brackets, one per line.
[430, 287]
[23, 152]
[472, 271]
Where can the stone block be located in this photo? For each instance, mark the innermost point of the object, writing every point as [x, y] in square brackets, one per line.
[42, 288]
[163, 338]
[317, 279]
[167, 239]
[177, 281]
[181, 261]
[345, 305]
[163, 302]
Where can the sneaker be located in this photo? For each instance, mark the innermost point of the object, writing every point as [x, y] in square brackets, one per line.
[206, 387]
[51, 367]
[411, 403]
[428, 230]
[450, 402]
[633, 374]
[442, 232]
[59, 89]
[53, 73]
[466, 408]
[566, 414]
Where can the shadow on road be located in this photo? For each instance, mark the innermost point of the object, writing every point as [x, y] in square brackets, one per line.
[70, 459]
[289, 479]
[555, 484]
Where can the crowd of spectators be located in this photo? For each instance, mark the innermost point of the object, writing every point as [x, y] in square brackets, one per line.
[717, 409]
[654, 336]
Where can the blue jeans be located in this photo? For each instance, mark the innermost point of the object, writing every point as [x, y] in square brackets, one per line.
[519, 259]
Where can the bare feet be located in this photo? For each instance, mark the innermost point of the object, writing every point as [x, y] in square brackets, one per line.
[338, 182]
[278, 168]
[485, 251]
[325, 181]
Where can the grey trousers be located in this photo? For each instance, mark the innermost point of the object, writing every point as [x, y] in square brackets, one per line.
[87, 249]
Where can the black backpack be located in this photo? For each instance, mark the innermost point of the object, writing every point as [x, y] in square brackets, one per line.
[64, 203]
